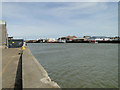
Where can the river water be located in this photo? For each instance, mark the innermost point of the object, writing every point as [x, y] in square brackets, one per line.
[78, 65]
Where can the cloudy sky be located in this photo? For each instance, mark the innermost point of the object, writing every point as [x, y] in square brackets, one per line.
[30, 20]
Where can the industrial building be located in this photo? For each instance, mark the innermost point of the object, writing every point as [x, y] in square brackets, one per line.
[3, 34]
[15, 43]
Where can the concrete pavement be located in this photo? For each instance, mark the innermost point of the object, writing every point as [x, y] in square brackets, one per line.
[10, 59]
[33, 74]
[23, 71]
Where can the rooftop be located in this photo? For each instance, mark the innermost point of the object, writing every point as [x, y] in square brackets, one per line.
[2, 22]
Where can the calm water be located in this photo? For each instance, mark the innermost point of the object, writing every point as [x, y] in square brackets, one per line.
[79, 65]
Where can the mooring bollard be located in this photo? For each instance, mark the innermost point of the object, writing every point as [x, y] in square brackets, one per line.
[23, 48]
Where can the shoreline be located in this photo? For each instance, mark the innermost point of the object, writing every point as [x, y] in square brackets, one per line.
[111, 42]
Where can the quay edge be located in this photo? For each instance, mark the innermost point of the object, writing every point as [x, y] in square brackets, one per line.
[33, 74]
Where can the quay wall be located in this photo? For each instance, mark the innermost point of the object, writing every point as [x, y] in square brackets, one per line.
[33, 74]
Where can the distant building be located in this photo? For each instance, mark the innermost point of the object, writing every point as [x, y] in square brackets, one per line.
[31, 41]
[10, 38]
[99, 38]
[51, 40]
[41, 41]
[79, 39]
[67, 38]
[87, 37]
[70, 38]
[117, 38]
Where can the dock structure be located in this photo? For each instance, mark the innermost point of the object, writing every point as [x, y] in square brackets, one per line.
[20, 69]
[33, 74]
[10, 61]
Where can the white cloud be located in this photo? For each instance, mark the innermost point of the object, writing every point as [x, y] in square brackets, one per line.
[60, 0]
[12, 10]
[68, 10]
[36, 20]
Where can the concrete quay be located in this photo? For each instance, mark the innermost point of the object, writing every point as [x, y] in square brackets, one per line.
[34, 75]
[22, 70]
[10, 59]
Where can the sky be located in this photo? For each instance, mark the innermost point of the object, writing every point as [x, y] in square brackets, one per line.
[34, 20]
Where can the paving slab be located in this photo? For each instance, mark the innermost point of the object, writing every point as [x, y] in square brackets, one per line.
[10, 59]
